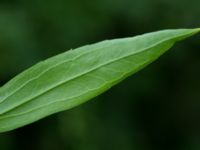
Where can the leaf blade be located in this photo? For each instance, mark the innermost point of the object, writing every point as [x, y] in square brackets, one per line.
[41, 90]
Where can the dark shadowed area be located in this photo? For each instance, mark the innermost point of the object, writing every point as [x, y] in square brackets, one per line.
[156, 109]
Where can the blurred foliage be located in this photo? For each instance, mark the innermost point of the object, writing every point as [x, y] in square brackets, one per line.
[157, 109]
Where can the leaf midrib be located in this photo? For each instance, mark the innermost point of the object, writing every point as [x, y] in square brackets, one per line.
[69, 99]
[73, 78]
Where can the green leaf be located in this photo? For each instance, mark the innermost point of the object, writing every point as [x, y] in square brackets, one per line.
[76, 76]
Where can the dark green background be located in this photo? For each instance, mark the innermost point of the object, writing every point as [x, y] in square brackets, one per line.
[156, 109]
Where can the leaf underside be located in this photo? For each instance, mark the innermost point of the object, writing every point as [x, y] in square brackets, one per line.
[76, 76]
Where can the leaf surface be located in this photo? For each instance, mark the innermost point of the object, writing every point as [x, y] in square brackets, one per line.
[76, 76]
